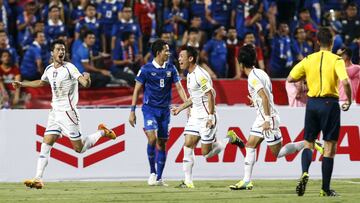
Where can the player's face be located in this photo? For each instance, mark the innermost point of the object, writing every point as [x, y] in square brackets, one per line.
[165, 53]
[59, 53]
[183, 60]
[249, 39]
[5, 58]
[90, 11]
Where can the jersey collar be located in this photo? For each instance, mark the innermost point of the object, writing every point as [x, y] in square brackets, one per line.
[157, 65]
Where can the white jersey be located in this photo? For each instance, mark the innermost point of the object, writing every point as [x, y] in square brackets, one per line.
[257, 80]
[64, 86]
[198, 83]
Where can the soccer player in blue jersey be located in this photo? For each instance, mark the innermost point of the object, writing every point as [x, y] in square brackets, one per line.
[156, 78]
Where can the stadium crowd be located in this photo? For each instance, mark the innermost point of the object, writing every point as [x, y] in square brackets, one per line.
[110, 38]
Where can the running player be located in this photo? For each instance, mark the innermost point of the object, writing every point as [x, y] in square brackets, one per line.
[63, 78]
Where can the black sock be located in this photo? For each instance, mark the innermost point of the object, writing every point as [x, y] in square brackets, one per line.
[327, 168]
[306, 158]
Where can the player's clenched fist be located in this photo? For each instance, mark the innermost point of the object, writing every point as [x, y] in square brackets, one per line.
[16, 84]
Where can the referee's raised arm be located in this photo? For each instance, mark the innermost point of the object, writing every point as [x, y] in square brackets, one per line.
[322, 70]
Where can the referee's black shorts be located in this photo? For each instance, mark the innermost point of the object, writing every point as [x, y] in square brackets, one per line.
[322, 114]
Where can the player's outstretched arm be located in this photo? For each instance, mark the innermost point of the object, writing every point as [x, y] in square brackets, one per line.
[347, 89]
[35, 83]
[85, 80]
[132, 116]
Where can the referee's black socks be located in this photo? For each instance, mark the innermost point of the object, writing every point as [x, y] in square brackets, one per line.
[327, 168]
[306, 158]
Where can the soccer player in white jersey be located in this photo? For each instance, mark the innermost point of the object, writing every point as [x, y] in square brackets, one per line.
[63, 78]
[266, 125]
[203, 120]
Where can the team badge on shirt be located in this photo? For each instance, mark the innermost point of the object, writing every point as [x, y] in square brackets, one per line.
[153, 73]
[168, 74]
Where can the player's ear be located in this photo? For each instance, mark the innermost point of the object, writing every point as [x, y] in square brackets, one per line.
[191, 59]
[51, 53]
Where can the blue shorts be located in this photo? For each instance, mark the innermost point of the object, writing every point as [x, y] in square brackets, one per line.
[157, 119]
[322, 114]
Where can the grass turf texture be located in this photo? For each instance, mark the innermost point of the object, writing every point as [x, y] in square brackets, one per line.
[206, 191]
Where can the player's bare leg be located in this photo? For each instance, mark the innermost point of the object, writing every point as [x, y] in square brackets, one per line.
[46, 146]
[188, 161]
[251, 145]
[151, 152]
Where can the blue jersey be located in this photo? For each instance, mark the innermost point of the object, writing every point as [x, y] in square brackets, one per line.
[217, 53]
[24, 37]
[301, 48]
[109, 14]
[81, 55]
[157, 82]
[93, 25]
[77, 13]
[123, 26]
[28, 66]
[281, 55]
[176, 28]
[221, 11]
[197, 8]
[53, 31]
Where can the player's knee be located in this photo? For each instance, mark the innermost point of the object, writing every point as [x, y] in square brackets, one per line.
[205, 152]
[329, 152]
[152, 141]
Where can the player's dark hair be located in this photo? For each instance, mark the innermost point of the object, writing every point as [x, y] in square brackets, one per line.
[325, 37]
[157, 46]
[247, 56]
[55, 42]
[191, 52]
[87, 33]
[91, 5]
[52, 7]
[348, 52]
[37, 33]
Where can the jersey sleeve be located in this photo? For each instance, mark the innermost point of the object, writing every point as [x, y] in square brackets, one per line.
[204, 82]
[255, 83]
[175, 75]
[141, 76]
[299, 70]
[74, 72]
[44, 76]
[340, 69]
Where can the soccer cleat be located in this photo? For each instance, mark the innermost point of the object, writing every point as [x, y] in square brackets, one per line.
[34, 183]
[185, 185]
[161, 183]
[234, 139]
[301, 187]
[330, 193]
[242, 185]
[319, 147]
[152, 179]
[107, 132]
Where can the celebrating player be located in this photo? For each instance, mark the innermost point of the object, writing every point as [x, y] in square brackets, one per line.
[156, 78]
[63, 78]
[203, 121]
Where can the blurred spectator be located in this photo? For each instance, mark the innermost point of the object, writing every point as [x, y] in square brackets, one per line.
[126, 23]
[4, 45]
[64, 11]
[351, 30]
[215, 52]
[145, 13]
[314, 8]
[176, 19]
[195, 22]
[197, 9]
[82, 59]
[5, 13]
[311, 39]
[124, 58]
[108, 15]
[91, 22]
[54, 26]
[78, 11]
[249, 38]
[297, 93]
[9, 73]
[218, 12]
[305, 20]
[25, 22]
[353, 72]
[168, 37]
[32, 65]
[300, 47]
[281, 57]
[232, 46]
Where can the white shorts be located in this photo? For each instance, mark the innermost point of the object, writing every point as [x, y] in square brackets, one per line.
[272, 138]
[197, 127]
[64, 123]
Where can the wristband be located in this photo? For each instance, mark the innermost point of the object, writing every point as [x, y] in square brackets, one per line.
[267, 118]
[132, 108]
[211, 117]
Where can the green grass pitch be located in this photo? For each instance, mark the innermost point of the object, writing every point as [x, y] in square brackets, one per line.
[268, 191]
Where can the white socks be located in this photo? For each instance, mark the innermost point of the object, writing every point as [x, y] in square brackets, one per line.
[90, 140]
[249, 163]
[188, 163]
[290, 148]
[43, 160]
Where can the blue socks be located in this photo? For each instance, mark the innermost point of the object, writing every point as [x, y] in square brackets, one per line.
[306, 158]
[327, 168]
[151, 157]
[161, 159]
